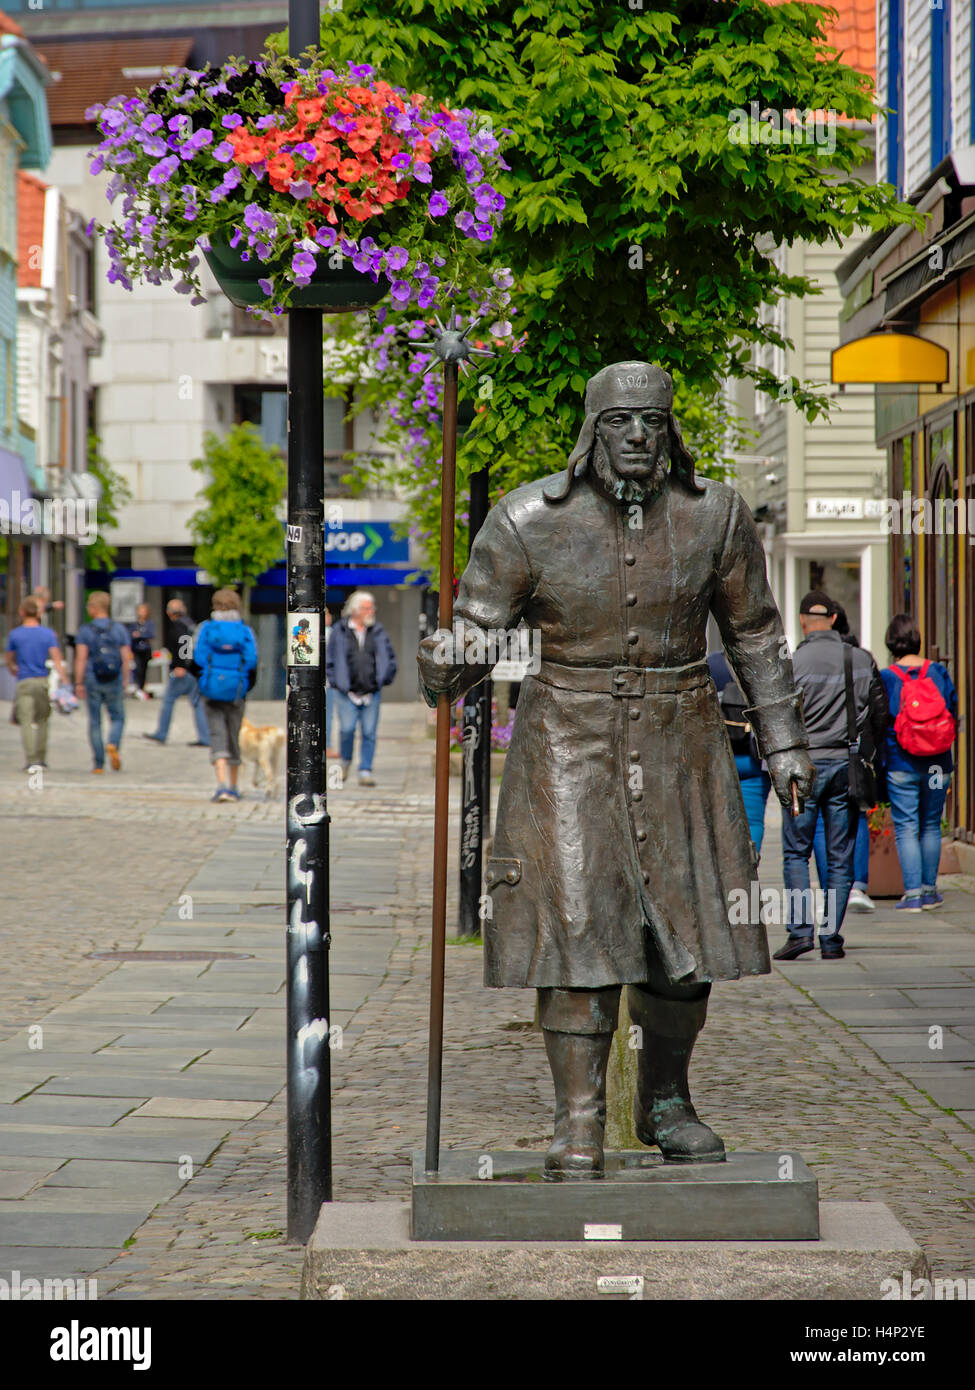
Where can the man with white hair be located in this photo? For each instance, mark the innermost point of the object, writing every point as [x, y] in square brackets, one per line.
[359, 662]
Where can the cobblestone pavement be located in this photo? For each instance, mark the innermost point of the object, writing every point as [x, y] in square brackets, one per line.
[832, 1060]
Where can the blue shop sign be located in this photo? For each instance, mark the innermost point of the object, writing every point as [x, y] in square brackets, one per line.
[364, 543]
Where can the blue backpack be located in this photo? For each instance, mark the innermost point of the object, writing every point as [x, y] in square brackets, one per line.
[106, 654]
[224, 677]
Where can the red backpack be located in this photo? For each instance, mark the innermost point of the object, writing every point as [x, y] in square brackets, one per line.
[924, 724]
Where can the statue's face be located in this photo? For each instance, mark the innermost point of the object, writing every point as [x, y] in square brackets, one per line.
[637, 443]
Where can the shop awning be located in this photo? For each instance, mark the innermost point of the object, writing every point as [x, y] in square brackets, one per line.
[890, 357]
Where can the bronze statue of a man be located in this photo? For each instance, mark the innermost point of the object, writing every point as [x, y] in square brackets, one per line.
[621, 831]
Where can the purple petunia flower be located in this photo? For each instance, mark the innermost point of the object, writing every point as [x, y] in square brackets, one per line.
[483, 231]
[223, 151]
[152, 122]
[303, 263]
[154, 146]
[201, 138]
[258, 220]
[306, 149]
[231, 121]
[267, 286]
[326, 236]
[360, 71]
[471, 165]
[438, 205]
[396, 257]
[400, 291]
[266, 122]
[300, 189]
[421, 172]
[159, 173]
[464, 220]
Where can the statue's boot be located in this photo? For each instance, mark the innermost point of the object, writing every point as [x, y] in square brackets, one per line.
[662, 1110]
[578, 1028]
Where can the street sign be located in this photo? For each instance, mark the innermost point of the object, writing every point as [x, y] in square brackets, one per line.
[364, 542]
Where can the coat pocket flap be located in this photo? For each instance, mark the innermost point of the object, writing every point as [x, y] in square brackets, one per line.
[503, 871]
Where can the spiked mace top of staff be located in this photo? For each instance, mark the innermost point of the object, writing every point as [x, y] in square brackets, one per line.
[454, 349]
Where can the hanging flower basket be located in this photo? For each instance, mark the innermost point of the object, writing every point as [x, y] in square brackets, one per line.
[301, 186]
[336, 291]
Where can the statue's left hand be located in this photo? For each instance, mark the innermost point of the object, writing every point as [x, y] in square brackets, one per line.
[792, 765]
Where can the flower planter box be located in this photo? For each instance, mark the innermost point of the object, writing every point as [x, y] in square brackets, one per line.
[886, 879]
[334, 291]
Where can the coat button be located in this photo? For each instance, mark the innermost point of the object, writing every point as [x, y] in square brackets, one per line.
[630, 600]
[632, 638]
[641, 835]
[511, 876]
[634, 756]
[629, 559]
[634, 712]
[636, 796]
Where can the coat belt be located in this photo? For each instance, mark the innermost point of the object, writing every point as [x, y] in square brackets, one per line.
[624, 681]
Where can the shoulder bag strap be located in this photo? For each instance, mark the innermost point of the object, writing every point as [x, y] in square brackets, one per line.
[851, 721]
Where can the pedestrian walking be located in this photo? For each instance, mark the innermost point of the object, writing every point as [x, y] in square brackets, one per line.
[859, 900]
[752, 776]
[29, 649]
[226, 658]
[330, 752]
[183, 675]
[922, 726]
[359, 663]
[142, 634]
[821, 663]
[103, 659]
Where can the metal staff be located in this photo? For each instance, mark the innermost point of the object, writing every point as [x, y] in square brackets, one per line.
[453, 349]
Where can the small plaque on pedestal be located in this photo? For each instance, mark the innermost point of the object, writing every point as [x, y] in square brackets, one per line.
[506, 1196]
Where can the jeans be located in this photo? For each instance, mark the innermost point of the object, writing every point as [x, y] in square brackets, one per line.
[111, 695]
[861, 853]
[915, 808]
[367, 716]
[175, 687]
[830, 794]
[755, 787]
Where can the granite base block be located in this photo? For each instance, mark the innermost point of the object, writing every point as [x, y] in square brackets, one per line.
[363, 1250]
[506, 1196]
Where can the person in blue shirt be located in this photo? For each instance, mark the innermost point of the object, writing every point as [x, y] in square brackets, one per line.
[917, 786]
[226, 656]
[29, 648]
[755, 781]
[103, 659]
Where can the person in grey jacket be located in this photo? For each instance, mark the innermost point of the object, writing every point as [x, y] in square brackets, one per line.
[819, 674]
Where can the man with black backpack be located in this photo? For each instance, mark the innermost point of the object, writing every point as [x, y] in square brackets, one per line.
[845, 714]
[103, 660]
[226, 656]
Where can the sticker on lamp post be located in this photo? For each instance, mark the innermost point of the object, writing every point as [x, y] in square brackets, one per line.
[304, 647]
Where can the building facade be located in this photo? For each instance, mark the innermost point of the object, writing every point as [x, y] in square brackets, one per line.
[908, 331]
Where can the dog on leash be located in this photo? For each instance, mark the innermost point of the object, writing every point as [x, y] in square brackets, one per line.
[262, 745]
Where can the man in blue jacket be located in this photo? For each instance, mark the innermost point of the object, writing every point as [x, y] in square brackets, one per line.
[359, 663]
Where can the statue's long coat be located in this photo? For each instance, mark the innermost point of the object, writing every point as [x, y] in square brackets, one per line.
[621, 818]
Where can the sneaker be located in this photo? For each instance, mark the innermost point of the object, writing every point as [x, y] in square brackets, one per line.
[795, 946]
[113, 757]
[97, 771]
[34, 767]
[366, 779]
[154, 738]
[931, 899]
[910, 902]
[231, 794]
[345, 769]
[859, 902]
[197, 744]
[221, 794]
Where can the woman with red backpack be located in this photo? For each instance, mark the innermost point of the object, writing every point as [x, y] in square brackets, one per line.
[922, 728]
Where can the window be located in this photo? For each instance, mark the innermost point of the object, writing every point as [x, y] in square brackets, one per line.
[940, 83]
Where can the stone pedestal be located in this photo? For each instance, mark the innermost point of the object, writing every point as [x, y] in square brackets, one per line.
[363, 1250]
[506, 1196]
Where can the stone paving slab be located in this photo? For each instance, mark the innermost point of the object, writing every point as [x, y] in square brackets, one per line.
[36, 1262]
[62, 1110]
[113, 1143]
[62, 1230]
[242, 1086]
[187, 1108]
[19, 1182]
[103, 1173]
